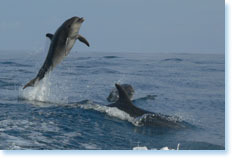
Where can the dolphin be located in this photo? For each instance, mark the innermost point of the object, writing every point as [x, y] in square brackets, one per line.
[149, 118]
[61, 44]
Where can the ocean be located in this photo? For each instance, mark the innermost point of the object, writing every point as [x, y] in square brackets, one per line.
[68, 109]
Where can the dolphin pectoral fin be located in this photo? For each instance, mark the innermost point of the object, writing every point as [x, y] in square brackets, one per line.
[30, 83]
[49, 35]
[83, 40]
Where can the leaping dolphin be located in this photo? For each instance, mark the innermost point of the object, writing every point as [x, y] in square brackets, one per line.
[61, 44]
[149, 118]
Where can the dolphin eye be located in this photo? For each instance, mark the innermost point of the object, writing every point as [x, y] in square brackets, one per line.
[69, 26]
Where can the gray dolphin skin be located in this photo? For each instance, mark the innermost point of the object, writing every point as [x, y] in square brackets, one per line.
[113, 96]
[124, 103]
[149, 118]
[61, 44]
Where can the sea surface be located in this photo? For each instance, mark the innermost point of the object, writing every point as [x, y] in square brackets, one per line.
[67, 109]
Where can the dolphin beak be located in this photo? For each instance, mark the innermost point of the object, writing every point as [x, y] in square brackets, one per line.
[81, 20]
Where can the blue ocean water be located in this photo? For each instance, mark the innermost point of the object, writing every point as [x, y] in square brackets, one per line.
[67, 110]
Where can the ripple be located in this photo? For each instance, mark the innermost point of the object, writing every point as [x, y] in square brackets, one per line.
[173, 59]
[111, 57]
[15, 64]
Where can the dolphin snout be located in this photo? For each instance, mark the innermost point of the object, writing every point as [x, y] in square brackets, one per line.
[81, 19]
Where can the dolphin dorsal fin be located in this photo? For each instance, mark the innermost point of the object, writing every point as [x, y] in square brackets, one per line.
[123, 97]
[49, 35]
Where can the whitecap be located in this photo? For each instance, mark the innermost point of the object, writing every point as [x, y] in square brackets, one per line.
[45, 91]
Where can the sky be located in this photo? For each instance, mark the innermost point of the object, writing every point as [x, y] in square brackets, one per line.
[156, 26]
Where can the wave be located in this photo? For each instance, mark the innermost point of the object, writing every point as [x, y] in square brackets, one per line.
[105, 70]
[144, 120]
[162, 121]
[163, 148]
[148, 97]
[111, 111]
[186, 145]
[208, 62]
[173, 59]
[111, 57]
[8, 83]
[15, 64]
[212, 70]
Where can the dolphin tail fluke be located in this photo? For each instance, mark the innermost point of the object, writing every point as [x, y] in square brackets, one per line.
[123, 97]
[30, 83]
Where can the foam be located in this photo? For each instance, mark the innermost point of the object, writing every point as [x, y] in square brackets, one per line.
[44, 91]
[163, 148]
[89, 146]
[117, 113]
[111, 111]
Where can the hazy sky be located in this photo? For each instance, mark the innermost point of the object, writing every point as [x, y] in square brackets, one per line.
[195, 26]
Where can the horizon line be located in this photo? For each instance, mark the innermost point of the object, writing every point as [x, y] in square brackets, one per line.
[130, 52]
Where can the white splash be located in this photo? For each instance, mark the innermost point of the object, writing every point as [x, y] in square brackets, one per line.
[163, 148]
[111, 111]
[140, 148]
[44, 91]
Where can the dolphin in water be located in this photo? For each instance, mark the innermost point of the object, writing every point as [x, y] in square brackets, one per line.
[61, 44]
[146, 117]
